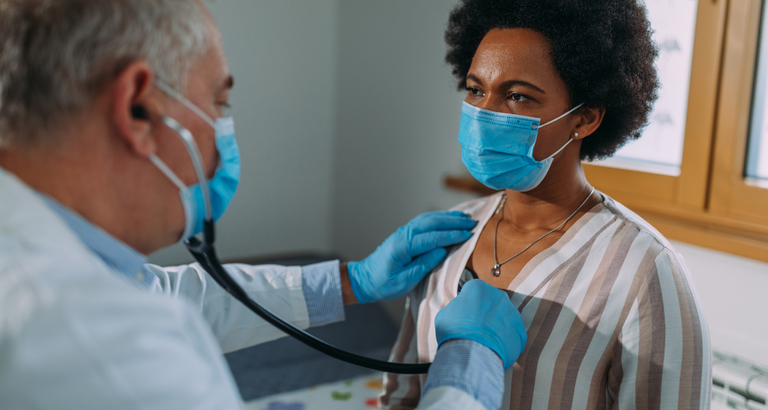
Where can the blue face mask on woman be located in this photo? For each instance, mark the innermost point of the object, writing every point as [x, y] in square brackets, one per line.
[497, 148]
[224, 183]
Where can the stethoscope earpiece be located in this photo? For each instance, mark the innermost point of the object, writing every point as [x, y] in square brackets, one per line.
[140, 113]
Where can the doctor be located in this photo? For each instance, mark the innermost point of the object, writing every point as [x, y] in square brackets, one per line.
[95, 97]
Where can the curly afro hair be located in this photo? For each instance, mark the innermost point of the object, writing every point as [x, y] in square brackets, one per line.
[602, 49]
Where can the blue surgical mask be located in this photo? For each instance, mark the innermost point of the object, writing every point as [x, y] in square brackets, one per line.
[224, 183]
[497, 148]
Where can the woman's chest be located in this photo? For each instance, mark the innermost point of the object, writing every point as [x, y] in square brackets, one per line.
[569, 314]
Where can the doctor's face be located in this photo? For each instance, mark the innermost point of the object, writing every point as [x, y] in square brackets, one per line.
[208, 86]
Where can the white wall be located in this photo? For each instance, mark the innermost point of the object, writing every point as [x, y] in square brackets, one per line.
[283, 57]
[398, 117]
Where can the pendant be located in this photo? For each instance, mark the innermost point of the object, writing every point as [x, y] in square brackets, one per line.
[496, 271]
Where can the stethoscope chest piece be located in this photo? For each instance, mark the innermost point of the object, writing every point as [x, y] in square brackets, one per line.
[465, 277]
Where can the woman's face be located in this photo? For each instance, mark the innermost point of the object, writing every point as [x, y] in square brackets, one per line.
[512, 72]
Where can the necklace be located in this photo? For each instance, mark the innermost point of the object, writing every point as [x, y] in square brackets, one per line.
[496, 271]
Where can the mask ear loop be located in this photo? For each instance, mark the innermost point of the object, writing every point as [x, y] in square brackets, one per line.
[189, 142]
[180, 98]
[194, 154]
[558, 118]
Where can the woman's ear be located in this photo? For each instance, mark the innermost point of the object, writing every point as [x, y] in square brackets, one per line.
[591, 118]
[134, 103]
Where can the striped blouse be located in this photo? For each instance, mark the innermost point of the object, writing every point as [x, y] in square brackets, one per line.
[612, 318]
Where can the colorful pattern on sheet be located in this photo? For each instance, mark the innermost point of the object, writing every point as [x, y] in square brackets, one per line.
[354, 394]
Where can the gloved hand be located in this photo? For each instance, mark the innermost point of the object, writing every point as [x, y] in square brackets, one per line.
[485, 315]
[400, 263]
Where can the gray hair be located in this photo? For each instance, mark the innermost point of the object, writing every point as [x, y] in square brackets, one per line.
[57, 55]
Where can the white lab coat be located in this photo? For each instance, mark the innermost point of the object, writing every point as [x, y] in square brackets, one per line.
[75, 335]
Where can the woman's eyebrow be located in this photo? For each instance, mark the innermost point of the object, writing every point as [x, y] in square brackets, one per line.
[508, 83]
[474, 78]
[512, 83]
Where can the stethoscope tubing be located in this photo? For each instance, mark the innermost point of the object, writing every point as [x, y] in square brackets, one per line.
[205, 254]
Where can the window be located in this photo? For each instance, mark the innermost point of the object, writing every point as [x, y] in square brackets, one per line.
[660, 150]
[709, 187]
[757, 154]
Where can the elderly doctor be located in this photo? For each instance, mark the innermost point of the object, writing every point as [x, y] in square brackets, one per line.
[95, 97]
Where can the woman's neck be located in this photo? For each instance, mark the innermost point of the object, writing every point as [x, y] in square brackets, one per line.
[547, 205]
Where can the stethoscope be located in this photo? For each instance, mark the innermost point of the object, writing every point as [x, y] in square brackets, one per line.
[205, 254]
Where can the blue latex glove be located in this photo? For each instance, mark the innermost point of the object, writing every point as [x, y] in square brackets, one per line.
[485, 315]
[400, 263]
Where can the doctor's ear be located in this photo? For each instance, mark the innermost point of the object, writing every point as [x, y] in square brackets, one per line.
[590, 120]
[132, 100]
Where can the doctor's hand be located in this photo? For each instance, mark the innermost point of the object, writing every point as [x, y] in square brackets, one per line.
[399, 264]
[483, 314]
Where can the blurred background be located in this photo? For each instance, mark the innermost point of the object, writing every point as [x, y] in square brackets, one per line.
[347, 119]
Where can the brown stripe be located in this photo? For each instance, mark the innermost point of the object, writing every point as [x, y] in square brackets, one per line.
[686, 359]
[602, 399]
[616, 373]
[559, 396]
[598, 294]
[692, 371]
[657, 342]
[521, 367]
[644, 346]
[536, 344]
[616, 370]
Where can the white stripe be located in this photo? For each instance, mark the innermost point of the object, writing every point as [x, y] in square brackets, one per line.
[706, 352]
[574, 300]
[630, 343]
[610, 318]
[673, 334]
[457, 260]
[410, 357]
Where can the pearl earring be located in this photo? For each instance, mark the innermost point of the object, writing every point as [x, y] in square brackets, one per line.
[575, 135]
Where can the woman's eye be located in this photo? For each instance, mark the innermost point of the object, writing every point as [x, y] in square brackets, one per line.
[474, 91]
[518, 97]
[225, 105]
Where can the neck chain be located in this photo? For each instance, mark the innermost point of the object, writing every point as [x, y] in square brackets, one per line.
[496, 271]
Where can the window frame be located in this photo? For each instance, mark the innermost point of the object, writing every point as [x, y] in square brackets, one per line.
[646, 190]
[711, 203]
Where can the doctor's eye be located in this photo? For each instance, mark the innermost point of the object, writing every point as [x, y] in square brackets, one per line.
[518, 97]
[225, 105]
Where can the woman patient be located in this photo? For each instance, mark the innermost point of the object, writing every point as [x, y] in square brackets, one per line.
[611, 314]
